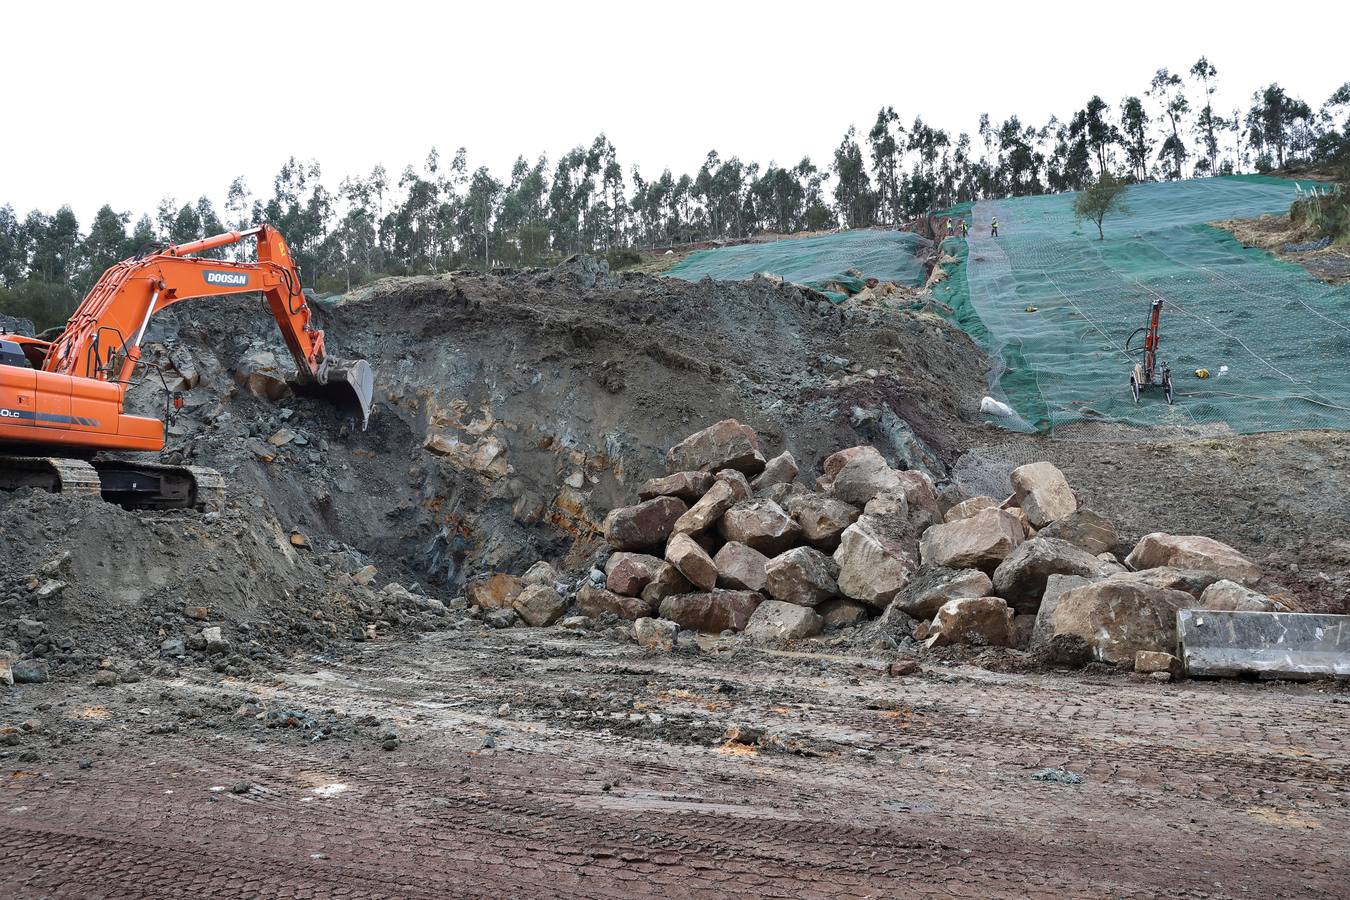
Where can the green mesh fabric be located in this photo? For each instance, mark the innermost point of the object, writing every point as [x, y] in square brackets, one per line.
[821, 261]
[1283, 335]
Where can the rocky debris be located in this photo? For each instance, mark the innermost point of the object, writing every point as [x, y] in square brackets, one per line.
[741, 567]
[1020, 579]
[106, 678]
[594, 601]
[775, 620]
[967, 508]
[645, 525]
[724, 445]
[628, 573]
[1229, 595]
[1085, 529]
[841, 612]
[713, 611]
[761, 524]
[1043, 493]
[1055, 586]
[708, 509]
[1189, 551]
[30, 671]
[980, 621]
[933, 586]
[541, 573]
[688, 486]
[858, 474]
[1119, 617]
[1147, 662]
[667, 582]
[498, 591]
[539, 605]
[782, 469]
[822, 519]
[259, 373]
[692, 560]
[802, 575]
[655, 634]
[875, 562]
[981, 541]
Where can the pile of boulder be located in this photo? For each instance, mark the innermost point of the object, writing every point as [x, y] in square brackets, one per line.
[729, 541]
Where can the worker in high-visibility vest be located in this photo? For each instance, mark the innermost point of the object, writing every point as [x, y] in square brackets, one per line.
[993, 227]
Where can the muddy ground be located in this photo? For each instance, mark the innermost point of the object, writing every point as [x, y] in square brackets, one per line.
[1294, 243]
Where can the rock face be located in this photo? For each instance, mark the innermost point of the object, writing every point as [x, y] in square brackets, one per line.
[1119, 617]
[778, 621]
[1020, 579]
[629, 573]
[725, 445]
[688, 486]
[592, 601]
[713, 611]
[1055, 587]
[802, 575]
[932, 586]
[1192, 551]
[858, 474]
[1230, 595]
[982, 621]
[981, 541]
[693, 562]
[539, 605]
[655, 634]
[782, 469]
[495, 592]
[822, 520]
[761, 524]
[1043, 493]
[875, 562]
[741, 567]
[645, 525]
[709, 508]
[1084, 529]
[967, 508]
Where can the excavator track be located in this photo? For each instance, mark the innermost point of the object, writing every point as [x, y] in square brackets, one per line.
[135, 485]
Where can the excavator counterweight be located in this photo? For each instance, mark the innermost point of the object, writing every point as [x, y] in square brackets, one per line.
[62, 401]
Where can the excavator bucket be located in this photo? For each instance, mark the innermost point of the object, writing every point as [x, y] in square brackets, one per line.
[350, 387]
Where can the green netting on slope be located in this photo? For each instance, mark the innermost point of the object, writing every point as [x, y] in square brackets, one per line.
[1283, 335]
[816, 261]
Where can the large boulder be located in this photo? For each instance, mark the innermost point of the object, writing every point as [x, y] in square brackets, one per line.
[709, 508]
[665, 583]
[628, 573]
[1020, 579]
[1042, 492]
[822, 519]
[967, 508]
[859, 474]
[655, 634]
[933, 586]
[802, 575]
[1083, 528]
[760, 523]
[981, 541]
[539, 605]
[1229, 595]
[692, 560]
[842, 612]
[1118, 617]
[780, 492]
[775, 620]
[1191, 581]
[740, 567]
[1055, 587]
[593, 601]
[782, 469]
[725, 445]
[981, 621]
[1193, 551]
[688, 486]
[921, 497]
[497, 591]
[712, 611]
[645, 525]
[875, 561]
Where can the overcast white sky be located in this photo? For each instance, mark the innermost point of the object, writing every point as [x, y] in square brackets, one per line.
[126, 102]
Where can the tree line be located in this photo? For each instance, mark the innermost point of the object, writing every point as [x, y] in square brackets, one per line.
[445, 214]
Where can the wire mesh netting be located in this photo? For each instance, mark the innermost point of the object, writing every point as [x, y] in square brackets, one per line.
[818, 261]
[1055, 307]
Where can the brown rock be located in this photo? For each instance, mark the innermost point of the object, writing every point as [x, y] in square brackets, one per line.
[1192, 551]
[1043, 492]
[592, 601]
[1083, 528]
[1188, 580]
[875, 561]
[1229, 595]
[782, 469]
[498, 591]
[760, 523]
[692, 561]
[1020, 579]
[629, 573]
[1055, 587]
[802, 575]
[667, 582]
[863, 474]
[822, 519]
[982, 621]
[779, 493]
[981, 541]
[933, 586]
[709, 508]
[655, 634]
[713, 611]
[740, 485]
[725, 445]
[1117, 618]
[688, 486]
[645, 525]
[1146, 662]
[539, 605]
[967, 508]
[740, 567]
[778, 621]
[841, 612]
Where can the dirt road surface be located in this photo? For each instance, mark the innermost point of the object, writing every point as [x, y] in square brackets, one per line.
[543, 763]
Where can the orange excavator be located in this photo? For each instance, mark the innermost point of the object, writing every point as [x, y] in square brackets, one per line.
[62, 401]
